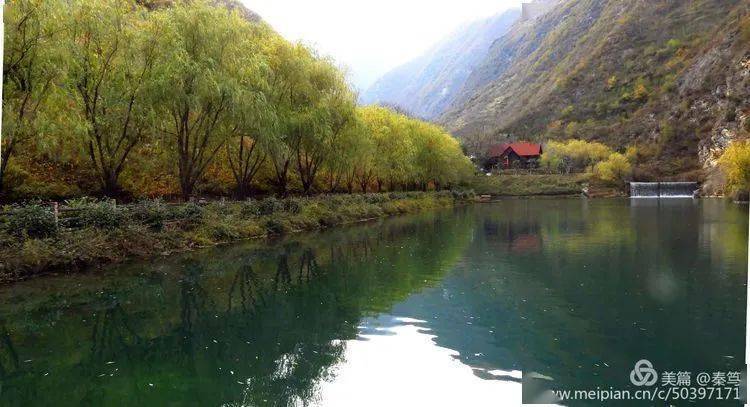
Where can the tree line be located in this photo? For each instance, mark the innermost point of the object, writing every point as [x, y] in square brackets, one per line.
[110, 95]
[606, 165]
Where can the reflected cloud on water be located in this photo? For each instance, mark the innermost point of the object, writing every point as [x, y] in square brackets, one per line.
[401, 356]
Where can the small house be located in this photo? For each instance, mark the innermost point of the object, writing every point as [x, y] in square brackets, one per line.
[514, 155]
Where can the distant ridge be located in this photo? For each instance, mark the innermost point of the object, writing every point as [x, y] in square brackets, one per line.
[536, 9]
[672, 77]
[426, 86]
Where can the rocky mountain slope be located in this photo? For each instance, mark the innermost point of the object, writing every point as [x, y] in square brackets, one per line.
[670, 76]
[426, 86]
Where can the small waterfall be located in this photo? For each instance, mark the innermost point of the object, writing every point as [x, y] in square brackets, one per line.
[663, 189]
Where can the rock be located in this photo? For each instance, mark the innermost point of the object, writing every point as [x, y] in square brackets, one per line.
[710, 152]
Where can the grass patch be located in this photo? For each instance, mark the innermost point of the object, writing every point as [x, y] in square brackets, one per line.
[529, 185]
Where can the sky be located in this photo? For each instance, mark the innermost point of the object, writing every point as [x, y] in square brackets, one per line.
[370, 37]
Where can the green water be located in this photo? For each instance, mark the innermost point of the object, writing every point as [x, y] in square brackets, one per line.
[435, 309]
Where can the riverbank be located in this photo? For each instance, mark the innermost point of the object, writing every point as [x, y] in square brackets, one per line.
[529, 184]
[35, 241]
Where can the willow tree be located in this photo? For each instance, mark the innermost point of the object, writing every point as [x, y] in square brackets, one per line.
[115, 50]
[211, 55]
[438, 156]
[30, 70]
[330, 110]
[393, 149]
[290, 88]
[254, 122]
[348, 155]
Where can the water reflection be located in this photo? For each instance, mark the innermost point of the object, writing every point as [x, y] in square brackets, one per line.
[426, 373]
[611, 284]
[442, 308]
[250, 325]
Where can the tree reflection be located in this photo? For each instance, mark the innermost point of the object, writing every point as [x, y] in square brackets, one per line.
[611, 284]
[250, 324]
[245, 285]
[308, 266]
[111, 332]
[9, 362]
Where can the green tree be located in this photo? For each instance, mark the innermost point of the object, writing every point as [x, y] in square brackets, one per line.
[114, 50]
[573, 155]
[254, 120]
[209, 48]
[347, 155]
[332, 111]
[615, 170]
[31, 67]
[289, 90]
[393, 149]
[735, 162]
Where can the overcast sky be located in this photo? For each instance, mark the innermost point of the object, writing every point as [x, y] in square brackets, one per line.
[371, 37]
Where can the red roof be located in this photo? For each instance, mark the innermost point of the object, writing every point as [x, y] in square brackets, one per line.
[527, 149]
[522, 149]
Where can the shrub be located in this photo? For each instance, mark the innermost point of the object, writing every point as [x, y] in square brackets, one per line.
[336, 201]
[249, 208]
[355, 199]
[615, 170]
[269, 206]
[222, 208]
[223, 231]
[674, 43]
[611, 82]
[191, 212]
[33, 220]
[567, 112]
[573, 155]
[640, 91]
[152, 213]
[101, 215]
[293, 205]
[375, 198]
[666, 134]
[735, 162]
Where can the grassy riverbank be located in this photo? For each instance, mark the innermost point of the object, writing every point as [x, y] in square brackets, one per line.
[529, 184]
[32, 241]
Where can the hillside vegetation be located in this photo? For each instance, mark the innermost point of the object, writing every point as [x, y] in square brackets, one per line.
[429, 84]
[134, 99]
[672, 77]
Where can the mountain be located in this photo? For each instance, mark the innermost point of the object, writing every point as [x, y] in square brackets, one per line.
[228, 4]
[426, 86]
[671, 76]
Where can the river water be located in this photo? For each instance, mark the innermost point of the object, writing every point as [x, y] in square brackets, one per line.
[450, 307]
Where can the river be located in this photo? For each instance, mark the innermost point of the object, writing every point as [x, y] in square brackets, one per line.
[450, 307]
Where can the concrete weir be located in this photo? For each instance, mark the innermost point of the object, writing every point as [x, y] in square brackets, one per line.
[663, 189]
